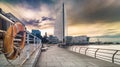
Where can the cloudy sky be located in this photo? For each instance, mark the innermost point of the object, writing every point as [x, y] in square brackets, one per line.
[95, 18]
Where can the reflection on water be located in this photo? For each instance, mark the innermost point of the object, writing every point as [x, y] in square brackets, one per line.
[105, 39]
[112, 46]
[106, 46]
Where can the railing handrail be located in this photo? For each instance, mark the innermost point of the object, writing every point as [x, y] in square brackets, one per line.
[97, 52]
[8, 20]
[2, 31]
[101, 48]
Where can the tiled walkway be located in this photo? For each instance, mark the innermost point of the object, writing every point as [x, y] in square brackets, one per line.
[59, 57]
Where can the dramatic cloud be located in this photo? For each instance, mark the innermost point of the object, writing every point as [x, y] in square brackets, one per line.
[47, 18]
[90, 11]
[84, 17]
[35, 14]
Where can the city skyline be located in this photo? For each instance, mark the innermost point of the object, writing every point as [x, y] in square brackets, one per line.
[94, 18]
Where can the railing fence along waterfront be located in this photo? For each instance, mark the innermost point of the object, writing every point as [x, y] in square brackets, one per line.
[33, 43]
[110, 55]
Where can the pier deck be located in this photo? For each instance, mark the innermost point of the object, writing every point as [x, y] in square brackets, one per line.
[59, 57]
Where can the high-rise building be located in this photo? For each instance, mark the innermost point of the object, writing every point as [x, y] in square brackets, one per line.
[59, 28]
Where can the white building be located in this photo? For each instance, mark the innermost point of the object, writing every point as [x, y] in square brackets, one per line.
[52, 39]
[68, 39]
[80, 40]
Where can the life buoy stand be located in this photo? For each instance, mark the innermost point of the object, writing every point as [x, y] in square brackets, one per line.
[10, 50]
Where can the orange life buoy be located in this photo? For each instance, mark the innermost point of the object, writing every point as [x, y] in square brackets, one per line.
[11, 52]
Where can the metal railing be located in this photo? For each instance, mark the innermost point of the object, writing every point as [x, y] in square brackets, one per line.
[5, 18]
[32, 45]
[110, 55]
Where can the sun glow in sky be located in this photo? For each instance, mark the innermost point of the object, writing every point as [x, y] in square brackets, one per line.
[95, 18]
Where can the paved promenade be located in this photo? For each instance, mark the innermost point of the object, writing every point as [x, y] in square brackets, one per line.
[59, 57]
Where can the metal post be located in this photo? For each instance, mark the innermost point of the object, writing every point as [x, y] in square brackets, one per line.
[34, 42]
[72, 48]
[80, 49]
[96, 52]
[40, 43]
[86, 51]
[28, 47]
[113, 60]
[37, 42]
[63, 23]
[75, 49]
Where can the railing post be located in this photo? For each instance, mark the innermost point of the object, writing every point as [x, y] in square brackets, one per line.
[37, 42]
[113, 57]
[80, 49]
[28, 43]
[41, 43]
[75, 49]
[96, 52]
[86, 51]
[34, 42]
